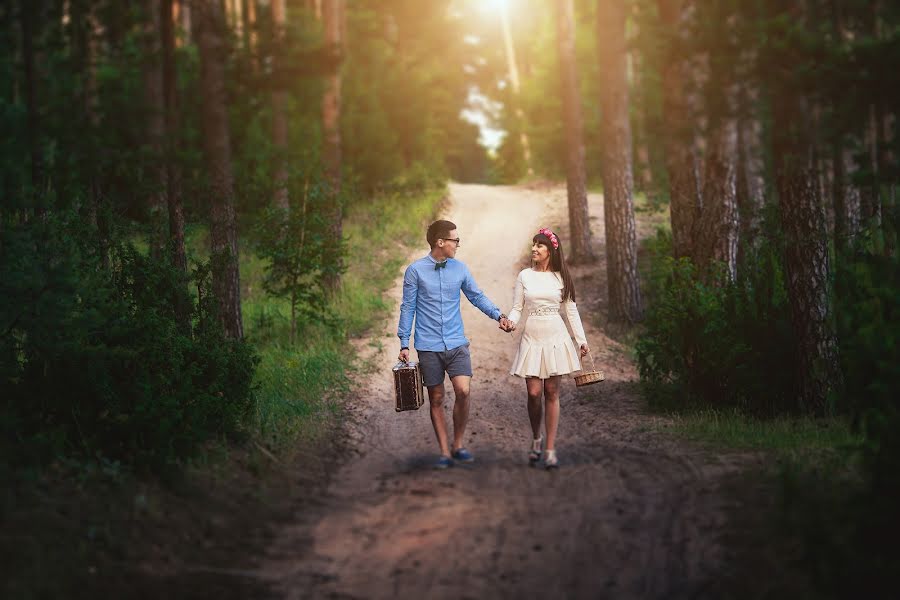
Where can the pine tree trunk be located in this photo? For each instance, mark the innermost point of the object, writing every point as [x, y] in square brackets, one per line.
[185, 19]
[615, 127]
[579, 223]
[249, 28]
[279, 117]
[217, 150]
[28, 13]
[88, 30]
[333, 22]
[845, 195]
[716, 227]
[678, 129]
[750, 180]
[173, 173]
[154, 97]
[806, 250]
[716, 230]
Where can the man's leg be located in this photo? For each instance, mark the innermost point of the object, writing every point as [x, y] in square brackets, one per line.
[436, 402]
[461, 385]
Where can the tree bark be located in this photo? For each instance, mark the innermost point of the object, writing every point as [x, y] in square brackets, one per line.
[716, 226]
[681, 162]
[249, 13]
[178, 255]
[616, 169]
[806, 250]
[279, 118]
[28, 13]
[185, 19]
[155, 101]
[845, 195]
[750, 179]
[716, 230]
[333, 22]
[217, 150]
[579, 223]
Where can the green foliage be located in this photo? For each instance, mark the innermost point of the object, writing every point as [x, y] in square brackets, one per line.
[718, 344]
[299, 251]
[297, 386]
[401, 103]
[868, 309]
[847, 524]
[786, 436]
[96, 364]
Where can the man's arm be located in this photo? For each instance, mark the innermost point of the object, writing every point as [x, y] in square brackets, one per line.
[479, 299]
[407, 309]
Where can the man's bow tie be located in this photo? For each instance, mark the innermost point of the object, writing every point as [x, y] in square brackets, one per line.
[440, 265]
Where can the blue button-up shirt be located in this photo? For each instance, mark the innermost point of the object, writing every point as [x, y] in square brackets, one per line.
[432, 296]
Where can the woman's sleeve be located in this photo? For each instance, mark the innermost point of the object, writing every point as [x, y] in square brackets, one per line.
[518, 300]
[575, 321]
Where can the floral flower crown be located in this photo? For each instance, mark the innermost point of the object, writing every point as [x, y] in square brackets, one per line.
[553, 239]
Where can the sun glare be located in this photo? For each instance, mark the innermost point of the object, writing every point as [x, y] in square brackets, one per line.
[495, 6]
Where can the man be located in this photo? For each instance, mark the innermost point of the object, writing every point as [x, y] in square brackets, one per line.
[431, 295]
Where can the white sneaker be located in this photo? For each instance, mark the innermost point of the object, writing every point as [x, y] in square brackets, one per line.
[551, 462]
[534, 455]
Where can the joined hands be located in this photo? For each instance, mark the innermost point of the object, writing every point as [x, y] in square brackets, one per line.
[507, 325]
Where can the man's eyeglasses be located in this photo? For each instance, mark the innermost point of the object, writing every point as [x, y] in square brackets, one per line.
[451, 240]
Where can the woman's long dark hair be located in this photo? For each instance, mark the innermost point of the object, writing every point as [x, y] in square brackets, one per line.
[558, 264]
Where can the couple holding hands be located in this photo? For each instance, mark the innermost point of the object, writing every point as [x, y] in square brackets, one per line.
[431, 298]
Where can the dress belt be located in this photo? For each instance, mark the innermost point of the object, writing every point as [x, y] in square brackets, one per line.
[541, 312]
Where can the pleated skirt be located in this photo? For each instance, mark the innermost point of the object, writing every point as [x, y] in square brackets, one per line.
[545, 349]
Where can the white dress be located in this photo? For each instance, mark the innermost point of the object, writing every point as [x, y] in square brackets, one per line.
[545, 348]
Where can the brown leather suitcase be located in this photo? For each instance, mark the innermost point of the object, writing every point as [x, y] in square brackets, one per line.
[408, 386]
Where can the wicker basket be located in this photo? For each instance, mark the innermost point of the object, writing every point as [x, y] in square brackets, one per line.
[589, 377]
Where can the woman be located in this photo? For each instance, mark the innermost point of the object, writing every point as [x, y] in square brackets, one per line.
[545, 350]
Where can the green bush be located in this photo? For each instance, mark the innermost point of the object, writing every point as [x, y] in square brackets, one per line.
[846, 522]
[95, 362]
[718, 344]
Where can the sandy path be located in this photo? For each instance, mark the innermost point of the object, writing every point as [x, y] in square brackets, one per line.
[631, 513]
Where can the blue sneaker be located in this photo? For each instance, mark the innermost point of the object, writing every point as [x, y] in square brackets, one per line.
[463, 455]
[443, 462]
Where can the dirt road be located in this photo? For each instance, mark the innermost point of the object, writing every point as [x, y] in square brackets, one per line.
[631, 513]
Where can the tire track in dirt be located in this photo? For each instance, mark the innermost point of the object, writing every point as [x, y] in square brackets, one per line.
[632, 513]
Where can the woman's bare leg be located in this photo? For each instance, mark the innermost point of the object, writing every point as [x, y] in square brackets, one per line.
[551, 409]
[535, 410]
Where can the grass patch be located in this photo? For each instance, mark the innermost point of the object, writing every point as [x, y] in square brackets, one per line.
[790, 436]
[300, 386]
[379, 235]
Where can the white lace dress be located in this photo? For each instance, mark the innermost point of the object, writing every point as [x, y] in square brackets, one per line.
[545, 348]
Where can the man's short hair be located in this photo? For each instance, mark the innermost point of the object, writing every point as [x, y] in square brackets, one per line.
[439, 230]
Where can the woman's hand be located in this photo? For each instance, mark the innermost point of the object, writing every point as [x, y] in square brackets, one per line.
[584, 350]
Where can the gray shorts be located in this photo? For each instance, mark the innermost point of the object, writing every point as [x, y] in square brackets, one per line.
[433, 364]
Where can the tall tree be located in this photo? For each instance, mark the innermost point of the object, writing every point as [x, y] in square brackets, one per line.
[681, 162]
[616, 168]
[279, 116]
[155, 106]
[28, 15]
[210, 21]
[716, 226]
[333, 23]
[174, 201]
[750, 177]
[579, 224]
[803, 221]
